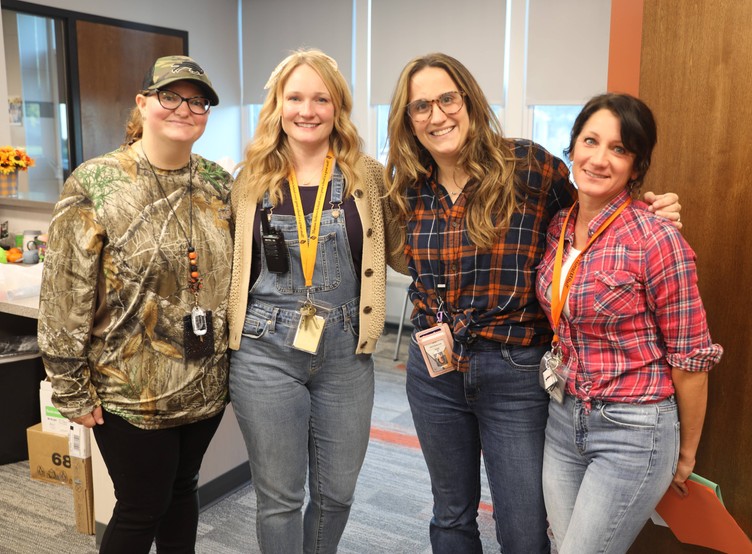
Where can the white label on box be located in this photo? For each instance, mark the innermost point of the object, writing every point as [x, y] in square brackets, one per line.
[79, 441]
[52, 420]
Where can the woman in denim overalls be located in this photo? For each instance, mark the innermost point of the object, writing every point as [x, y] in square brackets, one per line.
[304, 402]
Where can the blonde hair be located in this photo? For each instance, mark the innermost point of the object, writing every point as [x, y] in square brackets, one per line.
[269, 157]
[487, 157]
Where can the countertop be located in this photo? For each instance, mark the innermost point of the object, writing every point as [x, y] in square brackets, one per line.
[24, 307]
[17, 278]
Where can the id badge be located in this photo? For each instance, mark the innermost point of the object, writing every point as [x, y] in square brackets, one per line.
[436, 345]
[308, 334]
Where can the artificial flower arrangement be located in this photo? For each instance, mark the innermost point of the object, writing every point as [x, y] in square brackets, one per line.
[14, 159]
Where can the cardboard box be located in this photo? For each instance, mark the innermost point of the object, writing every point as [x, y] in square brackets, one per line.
[83, 494]
[79, 446]
[52, 420]
[49, 459]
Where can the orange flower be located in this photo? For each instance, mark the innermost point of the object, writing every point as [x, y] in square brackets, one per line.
[14, 159]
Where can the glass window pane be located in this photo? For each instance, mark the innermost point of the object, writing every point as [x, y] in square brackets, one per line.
[35, 66]
[382, 132]
[552, 125]
[253, 118]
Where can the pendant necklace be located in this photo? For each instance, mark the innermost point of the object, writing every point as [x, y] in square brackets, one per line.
[195, 283]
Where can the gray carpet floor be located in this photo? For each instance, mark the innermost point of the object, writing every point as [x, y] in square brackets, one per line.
[390, 515]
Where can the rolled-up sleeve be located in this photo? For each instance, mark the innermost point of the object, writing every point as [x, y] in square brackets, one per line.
[675, 298]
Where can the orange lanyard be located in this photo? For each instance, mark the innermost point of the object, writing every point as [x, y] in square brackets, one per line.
[559, 298]
[309, 243]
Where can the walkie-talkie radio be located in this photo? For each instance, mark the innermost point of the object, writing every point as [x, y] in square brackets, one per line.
[275, 249]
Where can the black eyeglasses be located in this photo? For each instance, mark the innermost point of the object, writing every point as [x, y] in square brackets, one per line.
[450, 103]
[171, 101]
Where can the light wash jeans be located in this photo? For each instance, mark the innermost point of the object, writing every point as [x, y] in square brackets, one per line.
[302, 414]
[498, 407]
[605, 471]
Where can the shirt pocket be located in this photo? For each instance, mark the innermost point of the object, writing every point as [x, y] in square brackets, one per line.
[618, 294]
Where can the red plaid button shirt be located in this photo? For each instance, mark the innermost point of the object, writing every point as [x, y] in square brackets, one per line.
[634, 308]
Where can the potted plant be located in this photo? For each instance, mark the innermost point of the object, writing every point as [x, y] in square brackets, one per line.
[12, 160]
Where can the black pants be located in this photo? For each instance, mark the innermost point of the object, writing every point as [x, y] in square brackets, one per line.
[155, 474]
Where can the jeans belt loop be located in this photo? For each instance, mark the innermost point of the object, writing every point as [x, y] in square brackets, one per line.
[345, 317]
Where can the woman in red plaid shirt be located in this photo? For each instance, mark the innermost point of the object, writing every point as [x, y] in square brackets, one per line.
[475, 208]
[628, 369]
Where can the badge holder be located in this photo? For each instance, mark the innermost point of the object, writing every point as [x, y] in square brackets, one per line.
[306, 336]
[198, 334]
[436, 344]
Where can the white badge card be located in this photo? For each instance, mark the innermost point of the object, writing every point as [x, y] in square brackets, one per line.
[307, 335]
[436, 345]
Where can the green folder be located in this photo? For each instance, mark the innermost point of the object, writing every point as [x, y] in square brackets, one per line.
[708, 483]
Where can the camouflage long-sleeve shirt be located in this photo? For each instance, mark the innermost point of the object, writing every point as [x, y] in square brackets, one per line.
[115, 290]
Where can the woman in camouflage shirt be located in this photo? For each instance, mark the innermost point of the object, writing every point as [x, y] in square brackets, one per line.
[139, 238]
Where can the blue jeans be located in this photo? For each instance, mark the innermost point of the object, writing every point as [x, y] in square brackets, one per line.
[302, 414]
[497, 407]
[605, 471]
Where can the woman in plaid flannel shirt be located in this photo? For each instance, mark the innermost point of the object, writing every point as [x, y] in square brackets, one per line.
[634, 342]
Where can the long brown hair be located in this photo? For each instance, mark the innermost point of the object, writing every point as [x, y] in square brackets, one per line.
[487, 157]
[269, 157]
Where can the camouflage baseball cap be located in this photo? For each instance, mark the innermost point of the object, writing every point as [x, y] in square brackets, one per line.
[169, 69]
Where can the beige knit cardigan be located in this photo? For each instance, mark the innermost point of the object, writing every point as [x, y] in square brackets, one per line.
[380, 236]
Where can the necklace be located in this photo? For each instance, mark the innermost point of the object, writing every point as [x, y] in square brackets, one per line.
[454, 193]
[194, 277]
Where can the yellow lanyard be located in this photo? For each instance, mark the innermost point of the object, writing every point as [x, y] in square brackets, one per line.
[558, 299]
[309, 244]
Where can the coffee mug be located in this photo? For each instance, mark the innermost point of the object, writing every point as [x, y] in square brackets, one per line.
[28, 239]
[30, 257]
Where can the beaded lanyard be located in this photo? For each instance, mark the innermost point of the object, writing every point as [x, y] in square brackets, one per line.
[195, 282]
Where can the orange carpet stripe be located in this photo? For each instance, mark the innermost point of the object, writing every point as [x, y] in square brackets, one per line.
[393, 437]
[411, 441]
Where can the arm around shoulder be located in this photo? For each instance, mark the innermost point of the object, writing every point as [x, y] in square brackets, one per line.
[393, 234]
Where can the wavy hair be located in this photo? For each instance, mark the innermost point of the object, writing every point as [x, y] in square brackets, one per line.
[487, 157]
[269, 158]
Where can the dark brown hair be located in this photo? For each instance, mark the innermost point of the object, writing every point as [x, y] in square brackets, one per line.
[638, 129]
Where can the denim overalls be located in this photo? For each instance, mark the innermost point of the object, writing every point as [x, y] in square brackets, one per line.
[302, 412]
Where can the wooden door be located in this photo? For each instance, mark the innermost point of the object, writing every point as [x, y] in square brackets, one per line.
[696, 74]
[112, 62]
